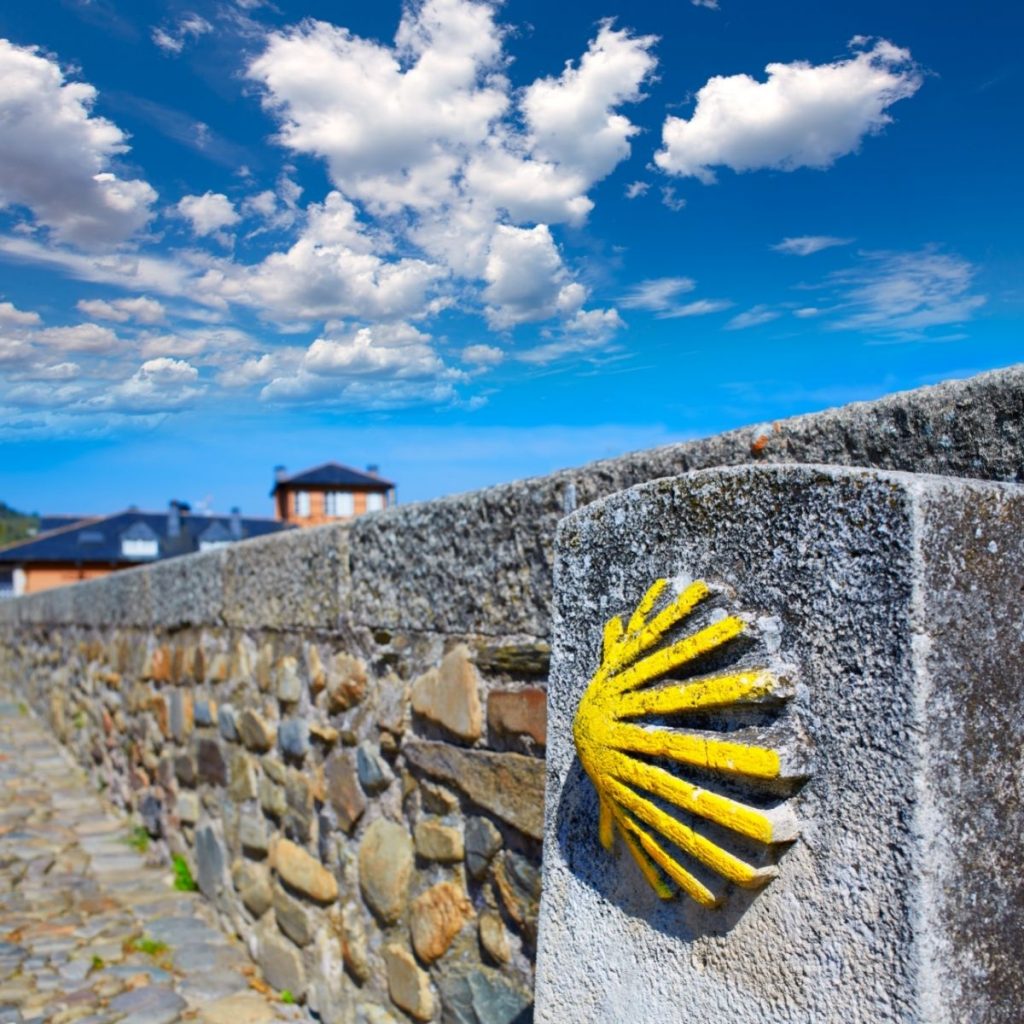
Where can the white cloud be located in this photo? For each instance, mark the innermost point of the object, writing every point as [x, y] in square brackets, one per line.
[807, 245]
[636, 188]
[80, 338]
[159, 385]
[712, 5]
[208, 213]
[375, 367]
[526, 279]
[482, 355]
[589, 330]
[669, 198]
[660, 295]
[429, 128]
[699, 307]
[142, 309]
[573, 121]
[753, 317]
[904, 294]
[172, 40]
[657, 293]
[55, 156]
[804, 115]
[10, 316]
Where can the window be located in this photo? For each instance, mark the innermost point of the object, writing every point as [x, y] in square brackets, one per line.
[374, 501]
[302, 504]
[139, 547]
[338, 504]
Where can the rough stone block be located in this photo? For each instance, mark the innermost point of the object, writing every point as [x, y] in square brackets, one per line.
[187, 591]
[895, 601]
[288, 580]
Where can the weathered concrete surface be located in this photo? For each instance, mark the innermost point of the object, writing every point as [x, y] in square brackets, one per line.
[899, 599]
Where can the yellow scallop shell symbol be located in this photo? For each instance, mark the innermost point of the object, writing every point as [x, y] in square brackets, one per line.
[620, 755]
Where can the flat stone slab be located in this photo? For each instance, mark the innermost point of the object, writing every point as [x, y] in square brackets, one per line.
[76, 901]
[890, 609]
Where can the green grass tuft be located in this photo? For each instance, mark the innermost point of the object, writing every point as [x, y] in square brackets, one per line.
[183, 880]
[151, 947]
[138, 839]
[97, 963]
[286, 996]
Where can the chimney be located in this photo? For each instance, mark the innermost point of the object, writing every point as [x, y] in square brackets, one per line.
[174, 519]
[280, 472]
[373, 469]
[236, 524]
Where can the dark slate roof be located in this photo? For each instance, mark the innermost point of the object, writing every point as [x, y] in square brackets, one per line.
[98, 539]
[334, 474]
[47, 523]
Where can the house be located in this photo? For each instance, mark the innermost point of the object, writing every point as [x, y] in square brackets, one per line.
[97, 545]
[328, 493]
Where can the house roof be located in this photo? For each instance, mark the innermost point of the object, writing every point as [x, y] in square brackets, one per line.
[98, 539]
[333, 474]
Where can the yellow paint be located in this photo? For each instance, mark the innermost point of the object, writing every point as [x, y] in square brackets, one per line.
[607, 741]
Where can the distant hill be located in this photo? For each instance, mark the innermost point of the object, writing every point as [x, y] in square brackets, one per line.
[16, 525]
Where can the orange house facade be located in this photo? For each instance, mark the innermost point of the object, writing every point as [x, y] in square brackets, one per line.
[329, 493]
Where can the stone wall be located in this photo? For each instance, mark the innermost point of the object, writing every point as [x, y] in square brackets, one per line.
[342, 729]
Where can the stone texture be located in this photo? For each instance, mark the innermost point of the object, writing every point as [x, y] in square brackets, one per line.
[346, 682]
[242, 784]
[494, 937]
[292, 918]
[210, 861]
[511, 786]
[255, 731]
[408, 985]
[437, 841]
[483, 996]
[293, 738]
[385, 868]
[289, 683]
[375, 775]
[243, 1008]
[226, 723]
[436, 917]
[893, 597]
[182, 715]
[303, 872]
[253, 884]
[483, 841]
[450, 695]
[210, 763]
[518, 885]
[187, 806]
[282, 964]
[518, 713]
[342, 782]
[252, 833]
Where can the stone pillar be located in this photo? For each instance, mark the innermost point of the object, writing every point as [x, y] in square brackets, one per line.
[859, 689]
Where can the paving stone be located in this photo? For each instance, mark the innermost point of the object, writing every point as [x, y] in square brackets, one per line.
[244, 1008]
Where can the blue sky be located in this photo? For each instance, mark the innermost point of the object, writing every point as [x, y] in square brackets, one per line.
[471, 242]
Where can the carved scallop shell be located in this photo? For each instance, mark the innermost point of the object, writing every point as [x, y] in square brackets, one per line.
[640, 769]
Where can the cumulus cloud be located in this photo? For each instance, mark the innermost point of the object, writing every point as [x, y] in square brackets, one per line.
[525, 277]
[159, 385]
[209, 213]
[11, 316]
[482, 355]
[80, 338]
[808, 245]
[430, 129]
[375, 367]
[141, 309]
[804, 115]
[56, 157]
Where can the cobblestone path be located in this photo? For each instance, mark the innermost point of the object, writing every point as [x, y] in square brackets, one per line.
[88, 932]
